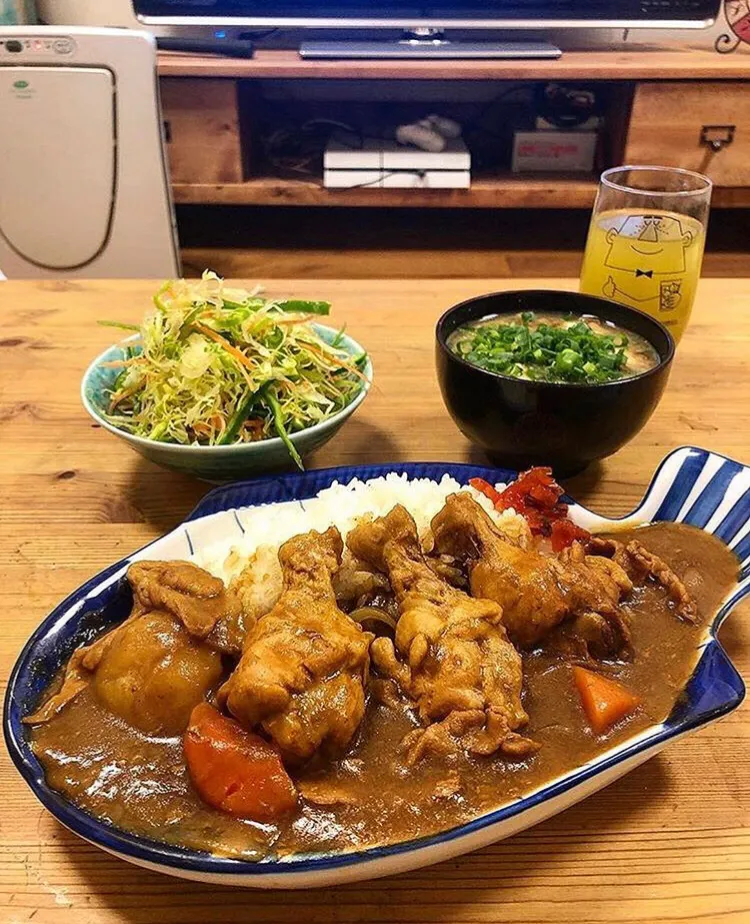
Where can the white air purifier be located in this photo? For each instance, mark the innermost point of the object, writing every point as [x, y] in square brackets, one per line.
[87, 12]
[83, 179]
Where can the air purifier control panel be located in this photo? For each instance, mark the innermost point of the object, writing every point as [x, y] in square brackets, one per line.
[56, 47]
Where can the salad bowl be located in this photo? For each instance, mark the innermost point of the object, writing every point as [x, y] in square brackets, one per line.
[221, 463]
[691, 485]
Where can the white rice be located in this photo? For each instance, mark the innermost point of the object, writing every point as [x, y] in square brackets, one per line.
[342, 505]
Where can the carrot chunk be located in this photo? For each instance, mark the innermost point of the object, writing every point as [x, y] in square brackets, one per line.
[234, 770]
[604, 701]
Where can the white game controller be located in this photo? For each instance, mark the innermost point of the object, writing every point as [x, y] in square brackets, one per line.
[430, 134]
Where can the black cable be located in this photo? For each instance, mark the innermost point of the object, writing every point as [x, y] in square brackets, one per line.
[565, 106]
[417, 173]
[474, 124]
[296, 149]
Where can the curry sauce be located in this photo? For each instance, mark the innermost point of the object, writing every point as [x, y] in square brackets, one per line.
[368, 797]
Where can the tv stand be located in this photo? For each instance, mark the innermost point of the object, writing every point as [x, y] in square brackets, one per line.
[427, 43]
[660, 101]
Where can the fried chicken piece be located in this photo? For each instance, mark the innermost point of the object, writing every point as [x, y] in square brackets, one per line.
[354, 583]
[641, 564]
[537, 592]
[258, 586]
[155, 667]
[303, 671]
[452, 657]
[195, 597]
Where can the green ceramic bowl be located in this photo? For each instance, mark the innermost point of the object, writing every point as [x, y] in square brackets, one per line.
[219, 463]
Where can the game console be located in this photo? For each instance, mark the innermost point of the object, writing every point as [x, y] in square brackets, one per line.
[387, 164]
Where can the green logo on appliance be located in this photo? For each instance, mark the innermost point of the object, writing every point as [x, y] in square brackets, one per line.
[22, 89]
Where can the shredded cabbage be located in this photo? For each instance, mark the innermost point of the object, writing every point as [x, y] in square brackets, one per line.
[217, 366]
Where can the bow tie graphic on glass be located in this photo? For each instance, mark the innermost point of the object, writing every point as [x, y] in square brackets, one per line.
[645, 246]
[650, 233]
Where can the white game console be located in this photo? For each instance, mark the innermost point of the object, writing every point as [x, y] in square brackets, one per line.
[388, 165]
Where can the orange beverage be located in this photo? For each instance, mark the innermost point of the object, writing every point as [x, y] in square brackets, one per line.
[646, 240]
[650, 261]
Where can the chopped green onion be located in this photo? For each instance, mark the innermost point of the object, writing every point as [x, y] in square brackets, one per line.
[567, 360]
[524, 347]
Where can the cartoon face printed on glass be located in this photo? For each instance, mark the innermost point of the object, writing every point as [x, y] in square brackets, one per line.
[647, 246]
[646, 239]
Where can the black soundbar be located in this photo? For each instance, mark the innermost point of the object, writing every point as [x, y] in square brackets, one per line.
[228, 47]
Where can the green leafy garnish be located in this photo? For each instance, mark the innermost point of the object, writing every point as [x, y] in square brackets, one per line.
[281, 430]
[120, 325]
[237, 420]
[298, 306]
[523, 347]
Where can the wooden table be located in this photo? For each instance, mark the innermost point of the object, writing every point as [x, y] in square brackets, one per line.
[669, 842]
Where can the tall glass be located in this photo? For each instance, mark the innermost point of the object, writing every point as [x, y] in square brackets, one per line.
[646, 240]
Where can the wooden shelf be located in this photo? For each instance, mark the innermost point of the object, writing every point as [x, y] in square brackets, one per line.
[503, 192]
[643, 63]
[210, 140]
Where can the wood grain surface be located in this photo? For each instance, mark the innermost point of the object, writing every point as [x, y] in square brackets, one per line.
[670, 842]
[502, 191]
[681, 111]
[202, 123]
[426, 260]
[642, 63]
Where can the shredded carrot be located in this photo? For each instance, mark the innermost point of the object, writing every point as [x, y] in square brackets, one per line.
[331, 358]
[202, 429]
[232, 350]
[297, 319]
[255, 426]
[126, 393]
[122, 363]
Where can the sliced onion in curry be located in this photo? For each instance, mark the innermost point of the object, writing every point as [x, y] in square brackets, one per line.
[365, 614]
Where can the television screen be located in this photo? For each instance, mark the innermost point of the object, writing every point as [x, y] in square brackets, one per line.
[403, 12]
